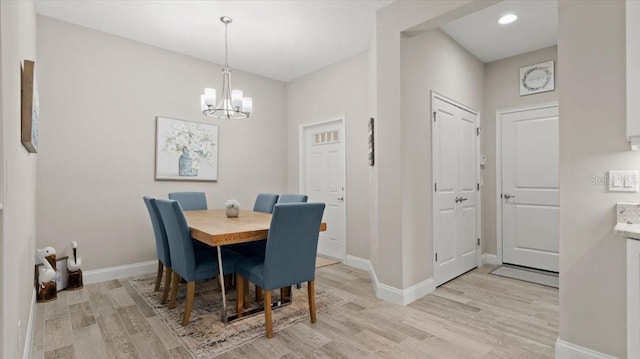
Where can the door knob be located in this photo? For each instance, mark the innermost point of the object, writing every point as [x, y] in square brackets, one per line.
[508, 196]
[457, 199]
[462, 199]
[340, 199]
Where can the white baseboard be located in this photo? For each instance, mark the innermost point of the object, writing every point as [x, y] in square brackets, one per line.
[488, 258]
[357, 262]
[28, 338]
[128, 270]
[389, 293]
[566, 350]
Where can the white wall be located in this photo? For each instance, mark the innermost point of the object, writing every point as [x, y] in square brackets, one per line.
[388, 239]
[502, 91]
[430, 61]
[337, 90]
[591, 50]
[100, 95]
[18, 179]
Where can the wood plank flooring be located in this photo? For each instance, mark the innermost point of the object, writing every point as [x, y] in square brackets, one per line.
[474, 316]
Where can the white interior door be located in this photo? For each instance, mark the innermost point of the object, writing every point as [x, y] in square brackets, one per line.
[530, 187]
[323, 181]
[455, 186]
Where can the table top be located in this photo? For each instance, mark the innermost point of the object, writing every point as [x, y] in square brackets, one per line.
[215, 229]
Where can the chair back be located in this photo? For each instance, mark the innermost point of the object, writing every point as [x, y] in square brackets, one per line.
[265, 202]
[190, 201]
[179, 237]
[292, 244]
[162, 245]
[293, 198]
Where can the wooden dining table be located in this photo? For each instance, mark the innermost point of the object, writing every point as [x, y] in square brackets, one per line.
[214, 228]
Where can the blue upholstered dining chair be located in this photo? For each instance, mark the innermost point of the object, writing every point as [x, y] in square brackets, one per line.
[293, 198]
[265, 202]
[190, 201]
[290, 256]
[186, 263]
[162, 247]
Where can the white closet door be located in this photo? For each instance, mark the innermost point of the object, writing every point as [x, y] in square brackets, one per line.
[455, 192]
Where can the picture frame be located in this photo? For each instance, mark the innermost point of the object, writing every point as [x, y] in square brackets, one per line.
[30, 107]
[371, 142]
[537, 78]
[62, 273]
[186, 150]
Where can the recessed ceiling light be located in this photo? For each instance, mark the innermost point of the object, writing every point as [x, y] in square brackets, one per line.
[507, 19]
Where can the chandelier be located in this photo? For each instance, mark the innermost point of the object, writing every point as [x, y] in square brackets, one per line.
[231, 105]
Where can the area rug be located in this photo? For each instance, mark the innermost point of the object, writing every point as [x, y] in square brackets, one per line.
[541, 277]
[206, 336]
[323, 262]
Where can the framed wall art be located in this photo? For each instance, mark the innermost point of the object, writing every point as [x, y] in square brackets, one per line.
[537, 78]
[371, 143]
[186, 150]
[30, 109]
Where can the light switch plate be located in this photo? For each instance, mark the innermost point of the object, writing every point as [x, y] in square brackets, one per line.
[623, 181]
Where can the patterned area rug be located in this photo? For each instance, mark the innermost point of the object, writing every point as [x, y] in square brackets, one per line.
[206, 336]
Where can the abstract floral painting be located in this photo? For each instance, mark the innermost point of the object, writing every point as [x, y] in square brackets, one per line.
[186, 150]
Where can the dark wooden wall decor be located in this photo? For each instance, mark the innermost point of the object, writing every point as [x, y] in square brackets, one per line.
[30, 107]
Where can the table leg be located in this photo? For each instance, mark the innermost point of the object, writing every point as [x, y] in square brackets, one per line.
[222, 287]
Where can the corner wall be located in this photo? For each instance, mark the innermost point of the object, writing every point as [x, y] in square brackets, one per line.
[99, 97]
[17, 179]
[502, 91]
[339, 89]
[430, 61]
[591, 50]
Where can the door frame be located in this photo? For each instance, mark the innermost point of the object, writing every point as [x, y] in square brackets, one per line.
[499, 204]
[302, 172]
[437, 95]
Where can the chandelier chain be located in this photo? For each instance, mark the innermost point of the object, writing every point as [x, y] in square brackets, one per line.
[226, 46]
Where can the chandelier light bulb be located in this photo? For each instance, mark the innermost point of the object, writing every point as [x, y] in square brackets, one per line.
[507, 19]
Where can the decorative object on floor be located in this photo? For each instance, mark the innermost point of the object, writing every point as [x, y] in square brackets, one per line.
[46, 289]
[537, 78]
[206, 336]
[549, 279]
[371, 143]
[73, 264]
[232, 208]
[232, 105]
[30, 107]
[186, 150]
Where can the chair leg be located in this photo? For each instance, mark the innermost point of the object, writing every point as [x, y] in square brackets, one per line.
[167, 285]
[268, 320]
[246, 298]
[159, 276]
[258, 294]
[191, 289]
[312, 300]
[285, 294]
[239, 294]
[175, 279]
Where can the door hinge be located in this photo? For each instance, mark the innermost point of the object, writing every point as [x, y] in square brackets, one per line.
[434, 116]
[478, 131]
[436, 256]
[478, 242]
[435, 187]
[478, 186]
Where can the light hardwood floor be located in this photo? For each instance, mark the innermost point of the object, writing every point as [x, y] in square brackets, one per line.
[474, 316]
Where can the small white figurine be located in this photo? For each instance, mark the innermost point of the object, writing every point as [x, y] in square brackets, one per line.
[46, 273]
[74, 263]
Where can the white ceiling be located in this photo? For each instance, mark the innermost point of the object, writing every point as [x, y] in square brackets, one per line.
[282, 40]
[480, 33]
